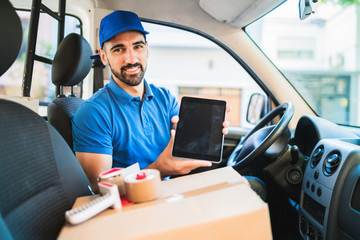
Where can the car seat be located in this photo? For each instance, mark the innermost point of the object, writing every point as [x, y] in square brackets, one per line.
[40, 178]
[11, 36]
[70, 66]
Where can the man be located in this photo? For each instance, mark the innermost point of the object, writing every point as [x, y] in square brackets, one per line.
[129, 120]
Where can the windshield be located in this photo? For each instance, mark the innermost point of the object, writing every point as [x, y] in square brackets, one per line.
[320, 55]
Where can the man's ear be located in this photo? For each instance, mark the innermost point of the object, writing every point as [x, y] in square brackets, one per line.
[103, 57]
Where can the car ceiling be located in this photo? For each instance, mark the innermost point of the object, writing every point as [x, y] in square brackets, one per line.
[237, 13]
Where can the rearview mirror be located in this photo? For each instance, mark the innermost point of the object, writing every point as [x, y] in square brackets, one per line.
[257, 108]
[305, 8]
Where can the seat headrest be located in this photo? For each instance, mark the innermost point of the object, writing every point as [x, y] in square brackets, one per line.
[11, 32]
[72, 61]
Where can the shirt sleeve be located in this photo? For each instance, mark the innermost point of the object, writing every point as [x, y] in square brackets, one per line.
[92, 130]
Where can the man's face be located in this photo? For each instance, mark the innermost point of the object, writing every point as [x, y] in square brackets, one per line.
[126, 54]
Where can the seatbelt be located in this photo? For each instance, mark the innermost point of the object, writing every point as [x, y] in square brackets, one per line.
[98, 67]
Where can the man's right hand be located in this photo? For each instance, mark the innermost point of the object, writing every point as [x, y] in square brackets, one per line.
[169, 165]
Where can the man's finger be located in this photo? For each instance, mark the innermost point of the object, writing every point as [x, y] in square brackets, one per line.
[225, 131]
[226, 124]
[175, 119]
[201, 163]
[172, 133]
[193, 163]
[228, 108]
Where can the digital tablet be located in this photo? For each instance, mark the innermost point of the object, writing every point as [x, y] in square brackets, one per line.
[199, 130]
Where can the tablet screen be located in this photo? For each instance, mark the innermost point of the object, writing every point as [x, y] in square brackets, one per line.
[199, 130]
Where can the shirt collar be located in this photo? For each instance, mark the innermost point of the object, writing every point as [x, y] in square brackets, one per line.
[148, 93]
[124, 97]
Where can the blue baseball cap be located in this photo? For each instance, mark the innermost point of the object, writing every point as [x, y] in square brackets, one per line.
[118, 22]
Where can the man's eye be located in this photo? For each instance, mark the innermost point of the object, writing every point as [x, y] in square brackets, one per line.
[138, 46]
[117, 50]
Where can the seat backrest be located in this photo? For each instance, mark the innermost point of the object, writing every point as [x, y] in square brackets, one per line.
[70, 66]
[11, 36]
[40, 178]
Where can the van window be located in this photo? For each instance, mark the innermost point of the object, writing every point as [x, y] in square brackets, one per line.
[319, 55]
[189, 64]
[41, 87]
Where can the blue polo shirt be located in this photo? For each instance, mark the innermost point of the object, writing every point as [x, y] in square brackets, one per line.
[116, 123]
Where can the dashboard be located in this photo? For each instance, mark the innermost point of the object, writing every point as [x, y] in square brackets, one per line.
[330, 190]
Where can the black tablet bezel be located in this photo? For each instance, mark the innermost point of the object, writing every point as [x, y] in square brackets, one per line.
[196, 155]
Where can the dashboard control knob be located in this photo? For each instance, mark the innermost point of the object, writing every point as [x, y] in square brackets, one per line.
[294, 175]
[316, 174]
[316, 156]
[332, 163]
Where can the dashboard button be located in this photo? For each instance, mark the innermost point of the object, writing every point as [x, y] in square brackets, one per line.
[307, 184]
[316, 174]
[313, 187]
[319, 191]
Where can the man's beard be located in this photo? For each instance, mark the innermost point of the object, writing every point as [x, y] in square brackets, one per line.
[130, 80]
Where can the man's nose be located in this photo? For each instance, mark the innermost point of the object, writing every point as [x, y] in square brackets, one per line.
[131, 56]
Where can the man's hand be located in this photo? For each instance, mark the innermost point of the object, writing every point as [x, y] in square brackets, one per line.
[169, 165]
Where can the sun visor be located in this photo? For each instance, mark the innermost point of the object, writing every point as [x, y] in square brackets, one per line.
[238, 13]
[225, 10]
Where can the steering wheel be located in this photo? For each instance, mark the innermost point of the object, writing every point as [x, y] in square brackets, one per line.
[260, 138]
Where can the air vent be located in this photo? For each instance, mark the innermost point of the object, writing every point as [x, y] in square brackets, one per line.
[331, 163]
[316, 157]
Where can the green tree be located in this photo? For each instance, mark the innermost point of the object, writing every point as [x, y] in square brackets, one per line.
[342, 2]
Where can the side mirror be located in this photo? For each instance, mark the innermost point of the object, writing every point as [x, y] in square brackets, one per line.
[257, 108]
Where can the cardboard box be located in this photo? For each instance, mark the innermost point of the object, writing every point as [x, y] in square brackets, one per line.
[217, 204]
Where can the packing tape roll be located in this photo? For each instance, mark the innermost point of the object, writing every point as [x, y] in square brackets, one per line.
[115, 176]
[143, 186]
